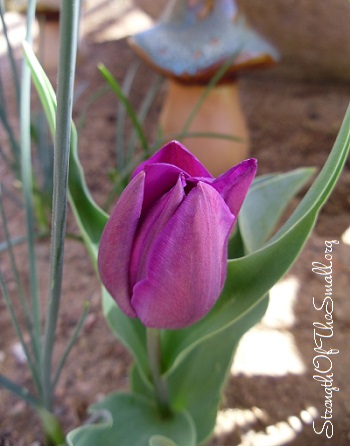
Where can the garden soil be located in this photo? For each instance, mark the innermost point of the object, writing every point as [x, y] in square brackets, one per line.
[271, 397]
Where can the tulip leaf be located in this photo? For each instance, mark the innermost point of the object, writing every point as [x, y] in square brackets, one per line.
[252, 276]
[129, 331]
[159, 440]
[197, 383]
[265, 203]
[90, 217]
[200, 393]
[134, 421]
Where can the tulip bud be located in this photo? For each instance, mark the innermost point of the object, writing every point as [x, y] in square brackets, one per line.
[163, 252]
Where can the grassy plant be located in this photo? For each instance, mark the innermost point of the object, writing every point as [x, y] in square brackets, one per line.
[41, 331]
[40, 141]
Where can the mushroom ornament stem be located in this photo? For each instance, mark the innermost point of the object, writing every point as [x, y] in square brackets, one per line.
[220, 113]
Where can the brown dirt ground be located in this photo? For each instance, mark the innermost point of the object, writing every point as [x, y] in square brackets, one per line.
[292, 124]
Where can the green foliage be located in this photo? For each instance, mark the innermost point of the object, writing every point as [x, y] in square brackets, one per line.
[196, 359]
[265, 203]
[39, 347]
[39, 178]
[159, 440]
[90, 217]
[134, 421]
[196, 384]
[14, 160]
[186, 359]
[112, 82]
[130, 331]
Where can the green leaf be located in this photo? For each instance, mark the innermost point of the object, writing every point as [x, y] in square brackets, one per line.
[197, 383]
[90, 217]
[160, 440]
[251, 277]
[133, 421]
[51, 426]
[18, 390]
[265, 203]
[113, 83]
[130, 331]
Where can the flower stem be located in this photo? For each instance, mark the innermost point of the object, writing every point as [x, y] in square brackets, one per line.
[160, 384]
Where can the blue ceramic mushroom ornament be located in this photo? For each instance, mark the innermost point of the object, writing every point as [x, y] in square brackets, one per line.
[191, 45]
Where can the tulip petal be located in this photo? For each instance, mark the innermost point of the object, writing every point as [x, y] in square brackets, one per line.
[160, 178]
[152, 225]
[117, 241]
[176, 154]
[187, 264]
[233, 185]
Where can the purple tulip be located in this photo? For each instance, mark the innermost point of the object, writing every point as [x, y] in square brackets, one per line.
[163, 252]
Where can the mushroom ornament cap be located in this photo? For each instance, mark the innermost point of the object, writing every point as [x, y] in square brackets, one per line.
[190, 48]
